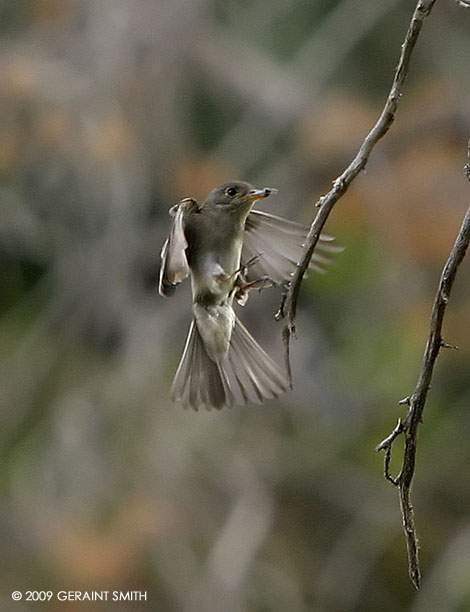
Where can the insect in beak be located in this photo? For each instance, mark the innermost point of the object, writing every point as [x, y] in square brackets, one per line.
[258, 194]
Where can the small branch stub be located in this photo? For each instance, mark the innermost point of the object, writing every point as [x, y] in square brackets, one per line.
[446, 345]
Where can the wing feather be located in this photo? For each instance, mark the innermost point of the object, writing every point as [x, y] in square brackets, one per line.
[174, 264]
[280, 243]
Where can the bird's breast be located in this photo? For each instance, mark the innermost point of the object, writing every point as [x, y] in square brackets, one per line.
[214, 252]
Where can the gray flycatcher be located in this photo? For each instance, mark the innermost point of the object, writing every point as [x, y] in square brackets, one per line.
[228, 249]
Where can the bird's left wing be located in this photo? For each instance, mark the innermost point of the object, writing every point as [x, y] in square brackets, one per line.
[174, 266]
[279, 244]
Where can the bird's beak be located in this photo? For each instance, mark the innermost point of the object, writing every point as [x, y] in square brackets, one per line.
[258, 194]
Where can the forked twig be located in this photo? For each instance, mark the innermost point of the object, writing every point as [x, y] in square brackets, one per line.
[417, 401]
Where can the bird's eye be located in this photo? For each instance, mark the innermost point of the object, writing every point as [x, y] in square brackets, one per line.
[231, 192]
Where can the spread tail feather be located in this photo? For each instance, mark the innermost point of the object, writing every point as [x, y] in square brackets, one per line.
[247, 374]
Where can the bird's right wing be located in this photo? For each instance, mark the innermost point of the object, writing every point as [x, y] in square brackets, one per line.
[174, 266]
[279, 244]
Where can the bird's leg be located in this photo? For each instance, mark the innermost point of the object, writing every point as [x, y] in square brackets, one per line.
[243, 287]
[242, 292]
[260, 283]
[240, 273]
[244, 267]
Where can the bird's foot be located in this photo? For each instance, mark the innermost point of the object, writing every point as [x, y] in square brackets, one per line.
[242, 292]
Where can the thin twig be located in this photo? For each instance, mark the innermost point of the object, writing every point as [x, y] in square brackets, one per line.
[387, 443]
[340, 185]
[417, 400]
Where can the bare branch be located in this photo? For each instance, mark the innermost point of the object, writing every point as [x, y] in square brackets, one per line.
[340, 185]
[288, 308]
[417, 400]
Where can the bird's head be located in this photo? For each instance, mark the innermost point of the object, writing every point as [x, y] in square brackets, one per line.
[237, 194]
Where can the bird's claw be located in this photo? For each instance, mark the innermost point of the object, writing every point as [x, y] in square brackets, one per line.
[242, 292]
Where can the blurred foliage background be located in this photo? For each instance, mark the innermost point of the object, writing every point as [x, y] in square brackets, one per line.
[111, 111]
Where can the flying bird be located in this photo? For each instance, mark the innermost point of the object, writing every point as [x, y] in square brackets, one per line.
[228, 249]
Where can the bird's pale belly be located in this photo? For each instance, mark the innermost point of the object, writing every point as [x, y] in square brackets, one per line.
[215, 325]
[213, 284]
[214, 278]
